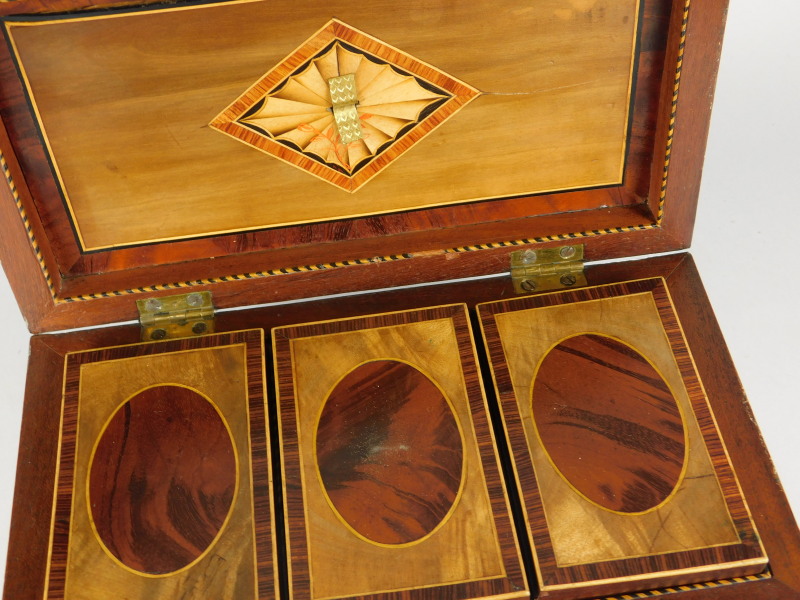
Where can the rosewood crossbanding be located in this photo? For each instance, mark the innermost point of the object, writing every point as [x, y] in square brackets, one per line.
[163, 487]
[297, 119]
[403, 437]
[617, 498]
[145, 142]
[29, 549]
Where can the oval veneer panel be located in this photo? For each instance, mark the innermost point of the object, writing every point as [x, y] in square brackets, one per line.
[609, 422]
[162, 480]
[389, 452]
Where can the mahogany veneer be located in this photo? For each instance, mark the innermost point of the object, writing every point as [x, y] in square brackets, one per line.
[162, 475]
[29, 542]
[641, 491]
[600, 407]
[162, 479]
[390, 453]
[575, 120]
[377, 509]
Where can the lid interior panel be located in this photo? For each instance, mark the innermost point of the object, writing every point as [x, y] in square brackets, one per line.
[153, 144]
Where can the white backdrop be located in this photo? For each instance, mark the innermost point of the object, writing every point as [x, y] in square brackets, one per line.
[744, 240]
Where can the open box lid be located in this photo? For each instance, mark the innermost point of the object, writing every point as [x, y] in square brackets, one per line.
[195, 145]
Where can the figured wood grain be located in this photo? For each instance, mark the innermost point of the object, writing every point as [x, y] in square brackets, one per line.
[150, 153]
[108, 274]
[323, 551]
[29, 535]
[702, 530]
[389, 452]
[527, 336]
[162, 479]
[240, 561]
[609, 422]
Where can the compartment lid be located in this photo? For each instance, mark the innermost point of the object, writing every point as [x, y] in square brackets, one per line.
[268, 150]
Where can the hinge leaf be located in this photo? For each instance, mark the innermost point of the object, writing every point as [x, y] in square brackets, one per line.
[547, 269]
[182, 315]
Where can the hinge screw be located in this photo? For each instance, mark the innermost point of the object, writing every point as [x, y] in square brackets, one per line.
[568, 280]
[199, 328]
[158, 334]
[153, 305]
[528, 285]
[194, 299]
[567, 252]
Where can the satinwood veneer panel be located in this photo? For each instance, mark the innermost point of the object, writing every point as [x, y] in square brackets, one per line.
[144, 137]
[618, 217]
[29, 543]
[625, 480]
[163, 486]
[392, 486]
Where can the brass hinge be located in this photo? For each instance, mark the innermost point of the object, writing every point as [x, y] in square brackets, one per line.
[547, 269]
[178, 316]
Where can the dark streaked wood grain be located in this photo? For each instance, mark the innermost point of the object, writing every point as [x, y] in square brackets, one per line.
[35, 470]
[260, 494]
[162, 479]
[609, 422]
[589, 577]
[389, 452]
[512, 583]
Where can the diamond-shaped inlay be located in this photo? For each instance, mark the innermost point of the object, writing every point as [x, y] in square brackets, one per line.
[343, 106]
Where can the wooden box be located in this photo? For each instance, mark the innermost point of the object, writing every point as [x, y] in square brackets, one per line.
[576, 431]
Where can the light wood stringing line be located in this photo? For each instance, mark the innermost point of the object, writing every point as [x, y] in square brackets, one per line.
[364, 203]
[460, 427]
[681, 410]
[85, 297]
[614, 536]
[87, 495]
[416, 566]
[135, 372]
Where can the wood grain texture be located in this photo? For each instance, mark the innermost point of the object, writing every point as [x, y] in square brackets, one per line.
[284, 285]
[609, 422]
[289, 112]
[33, 493]
[418, 233]
[119, 137]
[702, 531]
[327, 559]
[240, 560]
[29, 539]
[389, 452]
[777, 526]
[687, 523]
[162, 479]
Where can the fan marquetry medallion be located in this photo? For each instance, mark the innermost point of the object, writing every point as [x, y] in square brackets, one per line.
[343, 106]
